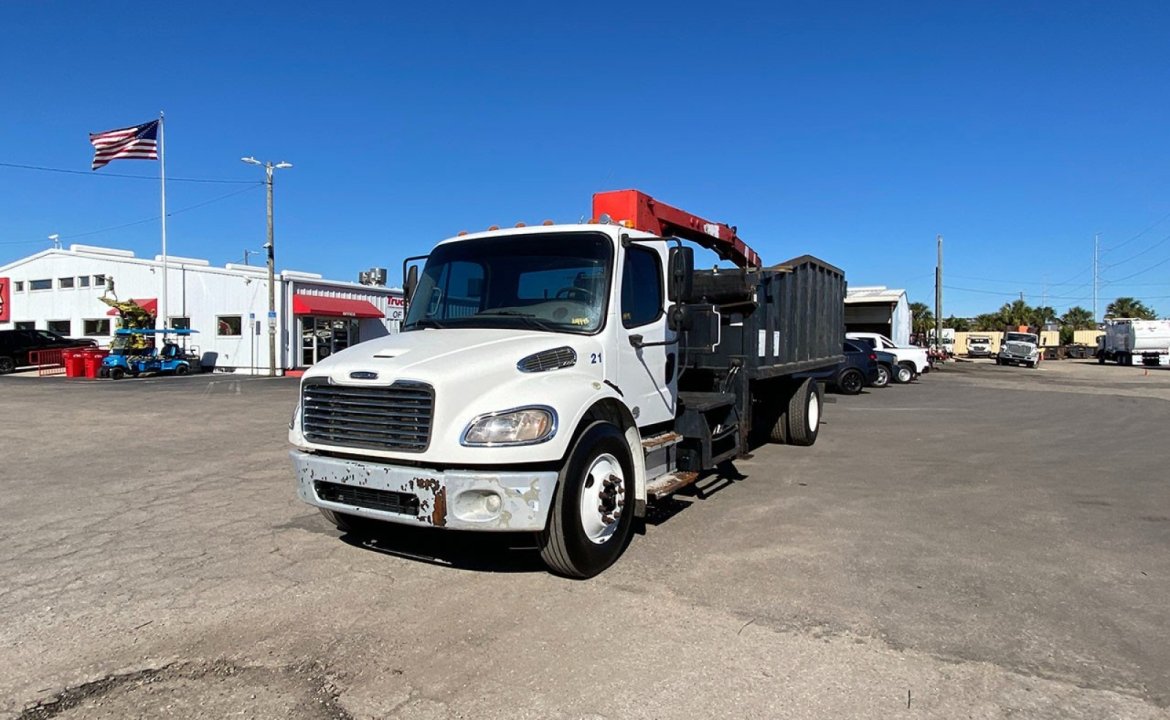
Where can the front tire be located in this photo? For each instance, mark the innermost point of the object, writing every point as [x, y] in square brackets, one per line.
[592, 515]
[7, 365]
[117, 373]
[804, 414]
[182, 370]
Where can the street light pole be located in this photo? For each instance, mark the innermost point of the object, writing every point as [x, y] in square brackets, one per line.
[270, 246]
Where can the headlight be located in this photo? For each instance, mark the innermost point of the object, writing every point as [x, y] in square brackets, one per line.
[522, 426]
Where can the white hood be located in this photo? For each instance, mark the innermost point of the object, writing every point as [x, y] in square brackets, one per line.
[473, 371]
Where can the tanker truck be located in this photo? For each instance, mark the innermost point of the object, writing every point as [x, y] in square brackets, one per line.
[1126, 339]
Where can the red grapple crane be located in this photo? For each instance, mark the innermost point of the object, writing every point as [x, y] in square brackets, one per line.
[639, 211]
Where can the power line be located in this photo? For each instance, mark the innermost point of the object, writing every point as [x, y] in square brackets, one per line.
[1161, 242]
[1006, 294]
[1157, 222]
[90, 173]
[144, 220]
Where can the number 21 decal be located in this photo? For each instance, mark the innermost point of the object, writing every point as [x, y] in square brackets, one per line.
[594, 358]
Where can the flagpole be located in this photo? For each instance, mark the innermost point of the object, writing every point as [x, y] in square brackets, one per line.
[162, 177]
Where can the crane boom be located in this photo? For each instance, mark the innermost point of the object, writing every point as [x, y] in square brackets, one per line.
[638, 210]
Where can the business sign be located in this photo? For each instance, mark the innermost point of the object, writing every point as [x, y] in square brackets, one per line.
[5, 296]
[395, 308]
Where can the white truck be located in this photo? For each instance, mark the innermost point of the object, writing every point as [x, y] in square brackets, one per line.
[1126, 339]
[912, 361]
[556, 379]
[1020, 348]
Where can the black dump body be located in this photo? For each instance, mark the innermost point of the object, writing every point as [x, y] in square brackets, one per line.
[775, 322]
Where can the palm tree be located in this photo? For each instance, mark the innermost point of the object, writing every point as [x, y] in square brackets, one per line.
[1075, 318]
[923, 319]
[958, 324]
[1127, 307]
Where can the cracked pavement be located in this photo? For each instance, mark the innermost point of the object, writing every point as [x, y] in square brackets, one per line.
[986, 543]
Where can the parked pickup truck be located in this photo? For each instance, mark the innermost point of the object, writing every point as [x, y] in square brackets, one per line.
[913, 359]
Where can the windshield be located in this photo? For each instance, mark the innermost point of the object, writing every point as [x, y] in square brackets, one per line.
[1021, 337]
[552, 282]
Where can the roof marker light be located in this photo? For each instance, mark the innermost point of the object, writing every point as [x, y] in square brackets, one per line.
[546, 223]
[493, 227]
[461, 233]
[520, 224]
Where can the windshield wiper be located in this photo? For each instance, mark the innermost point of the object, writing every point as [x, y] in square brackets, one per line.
[529, 317]
[426, 322]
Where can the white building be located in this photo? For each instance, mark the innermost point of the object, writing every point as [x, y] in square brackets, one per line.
[879, 309]
[59, 290]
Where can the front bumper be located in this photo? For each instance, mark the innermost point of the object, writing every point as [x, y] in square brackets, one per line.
[458, 499]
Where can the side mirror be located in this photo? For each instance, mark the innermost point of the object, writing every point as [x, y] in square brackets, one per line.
[408, 287]
[680, 273]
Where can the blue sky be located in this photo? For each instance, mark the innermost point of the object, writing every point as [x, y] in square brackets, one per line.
[855, 131]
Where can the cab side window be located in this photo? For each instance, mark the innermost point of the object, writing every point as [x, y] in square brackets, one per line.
[641, 287]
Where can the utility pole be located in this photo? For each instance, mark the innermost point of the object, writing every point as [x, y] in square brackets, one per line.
[1096, 265]
[269, 168]
[938, 297]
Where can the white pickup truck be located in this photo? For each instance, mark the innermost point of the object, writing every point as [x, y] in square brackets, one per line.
[912, 360]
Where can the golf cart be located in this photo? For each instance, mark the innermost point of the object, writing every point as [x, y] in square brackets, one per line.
[134, 352]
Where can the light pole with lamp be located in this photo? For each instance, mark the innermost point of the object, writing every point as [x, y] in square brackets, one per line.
[269, 168]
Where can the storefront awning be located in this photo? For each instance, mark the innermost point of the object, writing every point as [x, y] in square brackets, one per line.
[334, 307]
[150, 305]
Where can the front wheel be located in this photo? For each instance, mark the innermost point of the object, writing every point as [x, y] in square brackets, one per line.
[883, 377]
[182, 369]
[7, 365]
[851, 382]
[592, 514]
[117, 373]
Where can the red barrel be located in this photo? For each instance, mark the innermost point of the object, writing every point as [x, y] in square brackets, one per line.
[74, 363]
[92, 359]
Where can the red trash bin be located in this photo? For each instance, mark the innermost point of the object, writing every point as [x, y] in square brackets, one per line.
[93, 361]
[74, 363]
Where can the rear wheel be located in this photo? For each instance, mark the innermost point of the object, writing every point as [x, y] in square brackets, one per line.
[883, 377]
[1100, 358]
[591, 518]
[851, 382]
[6, 365]
[904, 373]
[182, 369]
[804, 414]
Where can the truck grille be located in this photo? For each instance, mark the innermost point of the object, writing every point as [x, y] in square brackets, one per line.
[397, 417]
[1017, 349]
[370, 498]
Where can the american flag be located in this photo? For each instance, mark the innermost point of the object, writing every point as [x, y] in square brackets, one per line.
[133, 143]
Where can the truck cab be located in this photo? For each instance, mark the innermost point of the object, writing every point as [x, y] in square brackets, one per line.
[1019, 348]
[537, 385]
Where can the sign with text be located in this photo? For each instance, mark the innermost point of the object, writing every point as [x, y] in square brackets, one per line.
[5, 296]
[395, 308]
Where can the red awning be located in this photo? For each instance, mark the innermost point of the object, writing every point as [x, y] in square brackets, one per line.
[334, 307]
[150, 305]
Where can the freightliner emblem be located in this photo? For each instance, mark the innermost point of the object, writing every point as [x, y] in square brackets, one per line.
[363, 375]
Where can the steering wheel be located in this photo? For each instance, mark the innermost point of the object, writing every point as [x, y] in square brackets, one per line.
[575, 294]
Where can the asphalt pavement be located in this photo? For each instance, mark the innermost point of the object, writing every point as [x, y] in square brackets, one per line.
[987, 542]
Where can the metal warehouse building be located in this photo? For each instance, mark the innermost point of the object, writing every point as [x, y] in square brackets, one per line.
[879, 309]
[59, 290]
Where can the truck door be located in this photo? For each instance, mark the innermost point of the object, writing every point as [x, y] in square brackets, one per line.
[647, 373]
